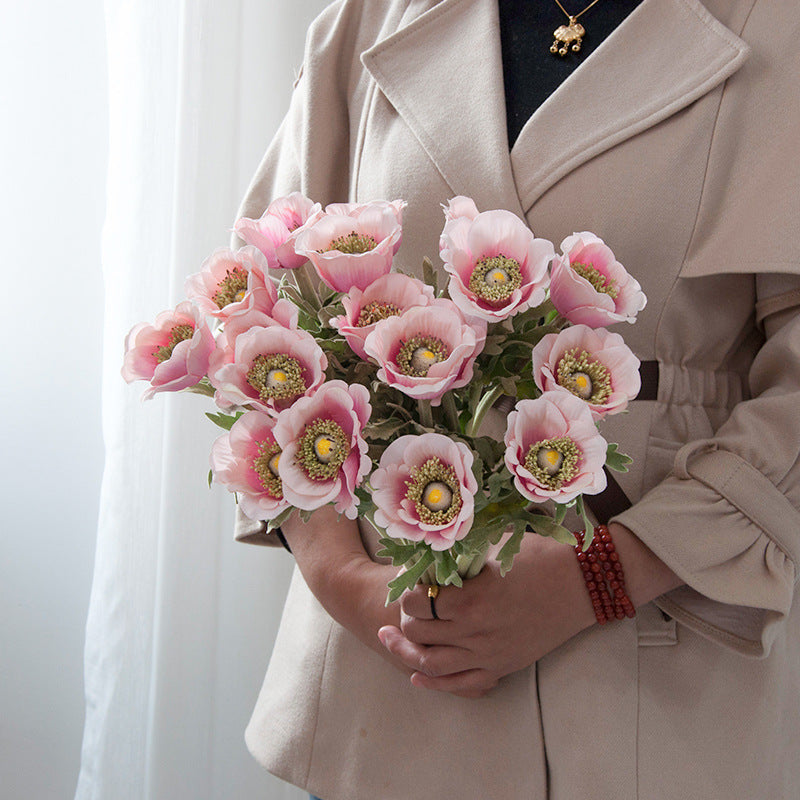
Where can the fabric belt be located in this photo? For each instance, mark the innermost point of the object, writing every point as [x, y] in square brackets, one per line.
[612, 500]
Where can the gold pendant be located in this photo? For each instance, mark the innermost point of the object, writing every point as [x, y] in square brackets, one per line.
[568, 37]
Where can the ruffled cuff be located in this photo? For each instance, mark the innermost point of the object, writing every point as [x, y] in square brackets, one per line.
[253, 531]
[726, 531]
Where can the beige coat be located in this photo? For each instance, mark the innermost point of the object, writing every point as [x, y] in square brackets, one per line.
[677, 142]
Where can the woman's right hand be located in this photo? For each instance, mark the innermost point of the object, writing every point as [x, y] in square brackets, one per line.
[348, 584]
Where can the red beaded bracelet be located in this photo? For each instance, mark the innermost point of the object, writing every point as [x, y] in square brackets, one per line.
[604, 577]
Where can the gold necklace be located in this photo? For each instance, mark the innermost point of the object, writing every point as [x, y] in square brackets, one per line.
[569, 37]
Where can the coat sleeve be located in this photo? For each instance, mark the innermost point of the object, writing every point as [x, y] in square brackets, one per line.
[309, 154]
[727, 520]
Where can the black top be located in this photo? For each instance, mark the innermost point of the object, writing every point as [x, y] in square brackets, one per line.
[531, 73]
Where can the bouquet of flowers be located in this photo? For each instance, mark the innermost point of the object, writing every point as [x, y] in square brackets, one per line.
[358, 385]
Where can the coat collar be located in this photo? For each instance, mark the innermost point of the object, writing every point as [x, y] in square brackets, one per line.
[443, 74]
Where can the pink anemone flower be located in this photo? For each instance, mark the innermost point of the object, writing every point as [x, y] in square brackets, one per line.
[460, 206]
[324, 456]
[553, 449]
[172, 354]
[427, 351]
[354, 209]
[352, 249]
[275, 232]
[594, 365]
[497, 267]
[268, 367]
[388, 296]
[425, 490]
[589, 286]
[231, 281]
[245, 460]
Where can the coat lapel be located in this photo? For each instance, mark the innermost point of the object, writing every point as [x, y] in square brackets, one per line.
[443, 74]
[663, 57]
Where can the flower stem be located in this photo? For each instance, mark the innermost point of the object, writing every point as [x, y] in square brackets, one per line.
[425, 413]
[470, 566]
[486, 402]
[306, 287]
[450, 412]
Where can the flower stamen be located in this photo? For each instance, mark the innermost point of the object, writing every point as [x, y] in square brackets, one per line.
[434, 490]
[584, 377]
[494, 279]
[232, 288]
[600, 283]
[323, 449]
[419, 353]
[376, 311]
[553, 462]
[276, 376]
[352, 243]
[265, 465]
[180, 333]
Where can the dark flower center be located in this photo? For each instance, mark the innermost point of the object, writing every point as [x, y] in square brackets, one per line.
[276, 376]
[419, 354]
[265, 465]
[323, 449]
[352, 243]
[232, 288]
[180, 333]
[599, 282]
[553, 462]
[584, 377]
[435, 492]
[376, 311]
[495, 279]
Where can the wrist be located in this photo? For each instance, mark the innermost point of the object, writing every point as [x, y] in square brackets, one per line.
[646, 576]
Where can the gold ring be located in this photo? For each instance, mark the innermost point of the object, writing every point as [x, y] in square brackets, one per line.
[433, 591]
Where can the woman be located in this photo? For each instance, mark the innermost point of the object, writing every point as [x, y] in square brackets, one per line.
[675, 142]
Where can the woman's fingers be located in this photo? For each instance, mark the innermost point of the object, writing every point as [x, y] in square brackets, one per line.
[432, 661]
[431, 631]
[417, 603]
[470, 683]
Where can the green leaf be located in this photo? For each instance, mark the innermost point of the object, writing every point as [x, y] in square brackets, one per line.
[210, 477]
[616, 460]
[447, 569]
[224, 421]
[510, 549]
[272, 524]
[429, 275]
[399, 552]
[409, 578]
[547, 526]
[509, 385]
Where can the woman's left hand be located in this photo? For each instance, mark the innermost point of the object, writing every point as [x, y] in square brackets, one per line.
[493, 625]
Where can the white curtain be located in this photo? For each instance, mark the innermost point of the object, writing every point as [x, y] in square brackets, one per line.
[181, 619]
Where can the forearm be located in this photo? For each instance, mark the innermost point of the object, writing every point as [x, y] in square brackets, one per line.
[340, 574]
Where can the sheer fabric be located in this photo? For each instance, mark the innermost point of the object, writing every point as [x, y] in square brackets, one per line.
[181, 619]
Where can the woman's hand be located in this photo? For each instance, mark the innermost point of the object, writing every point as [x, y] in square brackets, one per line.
[495, 625]
[348, 584]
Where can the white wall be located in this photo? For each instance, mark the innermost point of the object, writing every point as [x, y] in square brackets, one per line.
[53, 129]
[52, 174]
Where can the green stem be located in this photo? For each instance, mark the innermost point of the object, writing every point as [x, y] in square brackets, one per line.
[306, 287]
[425, 413]
[450, 412]
[486, 402]
[469, 567]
